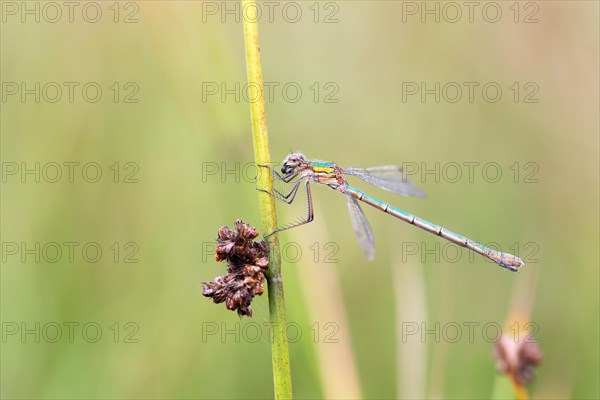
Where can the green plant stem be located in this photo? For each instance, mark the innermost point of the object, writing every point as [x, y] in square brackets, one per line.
[279, 349]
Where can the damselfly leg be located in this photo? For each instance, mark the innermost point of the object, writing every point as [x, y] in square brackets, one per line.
[289, 197]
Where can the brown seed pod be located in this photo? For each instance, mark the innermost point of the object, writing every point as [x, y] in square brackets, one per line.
[247, 262]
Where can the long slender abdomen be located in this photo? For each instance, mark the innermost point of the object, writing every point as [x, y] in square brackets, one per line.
[505, 260]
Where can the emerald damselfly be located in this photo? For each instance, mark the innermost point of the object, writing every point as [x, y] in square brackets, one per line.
[296, 168]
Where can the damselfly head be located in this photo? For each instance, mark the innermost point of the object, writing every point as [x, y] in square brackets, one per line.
[292, 161]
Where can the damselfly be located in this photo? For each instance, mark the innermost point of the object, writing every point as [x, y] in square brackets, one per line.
[296, 168]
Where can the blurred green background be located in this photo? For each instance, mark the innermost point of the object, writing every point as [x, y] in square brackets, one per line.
[175, 156]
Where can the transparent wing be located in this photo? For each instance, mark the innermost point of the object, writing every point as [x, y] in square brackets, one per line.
[387, 177]
[361, 227]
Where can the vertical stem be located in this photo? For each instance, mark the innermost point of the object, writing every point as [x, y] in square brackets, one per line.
[520, 390]
[279, 349]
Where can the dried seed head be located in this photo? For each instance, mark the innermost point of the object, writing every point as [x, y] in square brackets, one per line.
[518, 358]
[247, 262]
[238, 246]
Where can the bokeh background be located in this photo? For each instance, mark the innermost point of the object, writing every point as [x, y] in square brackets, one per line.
[175, 152]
